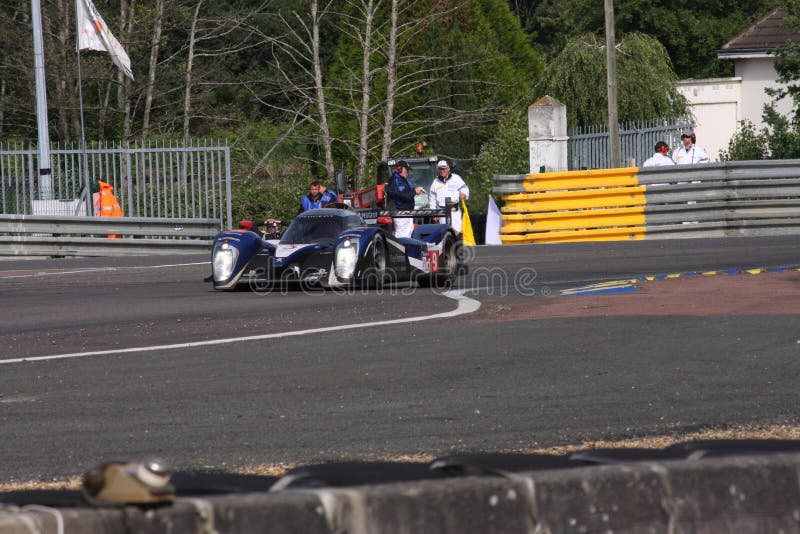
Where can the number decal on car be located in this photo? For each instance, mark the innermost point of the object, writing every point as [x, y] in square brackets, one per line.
[433, 258]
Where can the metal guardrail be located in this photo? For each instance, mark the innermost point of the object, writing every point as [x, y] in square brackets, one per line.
[744, 198]
[27, 235]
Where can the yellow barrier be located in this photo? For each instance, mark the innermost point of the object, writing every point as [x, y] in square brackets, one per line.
[596, 205]
[574, 200]
[602, 234]
[555, 181]
[572, 220]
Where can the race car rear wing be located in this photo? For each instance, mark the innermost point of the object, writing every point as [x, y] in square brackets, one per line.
[371, 216]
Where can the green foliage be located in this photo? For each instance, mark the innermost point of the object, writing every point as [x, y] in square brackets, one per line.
[781, 134]
[645, 81]
[691, 32]
[505, 153]
[467, 62]
[270, 188]
[746, 144]
[779, 139]
[787, 65]
[492, 67]
[260, 197]
[504, 71]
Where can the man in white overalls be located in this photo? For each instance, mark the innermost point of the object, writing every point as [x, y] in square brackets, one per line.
[448, 188]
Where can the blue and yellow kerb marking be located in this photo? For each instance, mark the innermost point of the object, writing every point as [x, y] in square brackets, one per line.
[603, 288]
[627, 286]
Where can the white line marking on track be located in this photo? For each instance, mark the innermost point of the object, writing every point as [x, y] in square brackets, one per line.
[465, 306]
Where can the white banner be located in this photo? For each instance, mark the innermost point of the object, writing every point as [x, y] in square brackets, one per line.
[93, 34]
[493, 224]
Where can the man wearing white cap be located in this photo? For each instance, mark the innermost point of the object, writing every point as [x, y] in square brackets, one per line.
[689, 152]
[448, 188]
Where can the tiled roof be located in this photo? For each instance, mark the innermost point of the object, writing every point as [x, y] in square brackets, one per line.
[769, 32]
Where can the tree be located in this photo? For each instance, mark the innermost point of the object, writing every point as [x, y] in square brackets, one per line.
[404, 72]
[646, 82]
[305, 85]
[155, 49]
[215, 36]
[507, 152]
[746, 144]
[495, 68]
[391, 79]
[780, 137]
[362, 27]
[691, 32]
[297, 89]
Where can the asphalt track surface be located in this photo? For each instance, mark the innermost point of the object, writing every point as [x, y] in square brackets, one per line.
[106, 358]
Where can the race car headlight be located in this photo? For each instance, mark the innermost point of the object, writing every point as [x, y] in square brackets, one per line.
[223, 261]
[346, 258]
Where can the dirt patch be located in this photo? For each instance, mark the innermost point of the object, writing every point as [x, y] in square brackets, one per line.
[659, 442]
[696, 296]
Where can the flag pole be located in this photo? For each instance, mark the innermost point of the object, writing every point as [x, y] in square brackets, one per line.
[45, 172]
[84, 155]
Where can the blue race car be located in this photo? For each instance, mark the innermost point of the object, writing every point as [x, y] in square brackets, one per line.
[334, 247]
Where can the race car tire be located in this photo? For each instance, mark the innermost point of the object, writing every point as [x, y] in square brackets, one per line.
[287, 280]
[448, 267]
[375, 274]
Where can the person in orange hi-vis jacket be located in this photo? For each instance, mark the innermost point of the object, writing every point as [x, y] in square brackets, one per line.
[109, 205]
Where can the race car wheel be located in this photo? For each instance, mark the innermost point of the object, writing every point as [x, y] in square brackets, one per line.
[449, 259]
[448, 267]
[375, 274]
[289, 277]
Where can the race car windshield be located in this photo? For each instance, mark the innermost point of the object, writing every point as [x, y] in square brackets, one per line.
[423, 174]
[313, 229]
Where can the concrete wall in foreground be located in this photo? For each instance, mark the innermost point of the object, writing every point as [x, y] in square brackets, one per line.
[734, 494]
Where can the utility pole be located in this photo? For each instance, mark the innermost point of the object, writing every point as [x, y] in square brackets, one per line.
[611, 81]
[45, 172]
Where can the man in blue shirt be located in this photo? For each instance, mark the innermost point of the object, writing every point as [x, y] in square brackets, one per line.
[401, 192]
[317, 197]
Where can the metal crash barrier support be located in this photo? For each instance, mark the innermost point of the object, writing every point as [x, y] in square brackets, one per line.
[743, 198]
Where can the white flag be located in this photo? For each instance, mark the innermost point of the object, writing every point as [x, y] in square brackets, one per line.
[493, 224]
[93, 33]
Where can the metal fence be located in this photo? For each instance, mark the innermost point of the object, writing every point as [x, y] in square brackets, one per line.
[587, 148]
[157, 180]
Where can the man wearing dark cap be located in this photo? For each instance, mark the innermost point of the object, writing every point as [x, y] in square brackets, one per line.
[688, 152]
[400, 191]
[271, 229]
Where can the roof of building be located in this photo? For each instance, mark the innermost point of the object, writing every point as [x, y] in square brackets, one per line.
[759, 39]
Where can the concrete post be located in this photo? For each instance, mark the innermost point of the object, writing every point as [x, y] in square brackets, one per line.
[547, 135]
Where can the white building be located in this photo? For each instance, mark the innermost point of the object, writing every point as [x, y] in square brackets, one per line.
[719, 104]
[716, 104]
